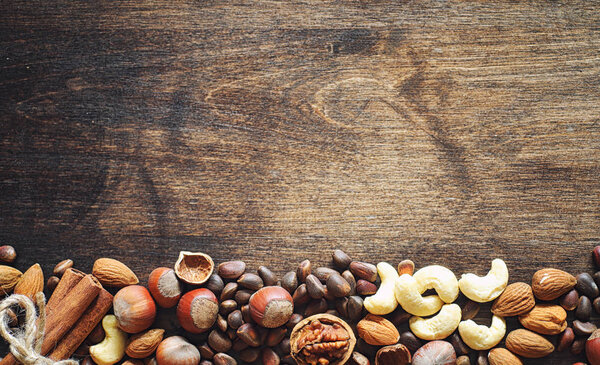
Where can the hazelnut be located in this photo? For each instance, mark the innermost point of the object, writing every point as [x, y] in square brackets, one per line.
[194, 267]
[322, 339]
[435, 352]
[164, 287]
[175, 350]
[134, 308]
[197, 310]
[271, 306]
[7, 254]
[592, 348]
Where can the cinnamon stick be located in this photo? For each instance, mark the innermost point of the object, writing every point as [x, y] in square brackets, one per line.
[64, 316]
[84, 326]
[68, 281]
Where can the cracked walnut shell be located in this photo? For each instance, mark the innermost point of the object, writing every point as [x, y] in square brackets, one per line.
[322, 339]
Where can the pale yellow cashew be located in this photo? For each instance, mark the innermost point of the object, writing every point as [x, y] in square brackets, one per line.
[485, 288]
[439, 326]
[439, 278]
[384, 301]
[112, 349]
[480, 337]
[406, 290]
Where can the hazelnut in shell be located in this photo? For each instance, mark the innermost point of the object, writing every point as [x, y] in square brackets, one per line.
[175, 350]
[194, 267]
[134, 308]
[322, 339]
[164, 287]
[271, 306]
[197, 310]
[592, 348]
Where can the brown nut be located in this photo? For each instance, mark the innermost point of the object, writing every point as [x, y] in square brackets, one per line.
[528, 344]
[549, 284]
[144, 344]
[9, 277]
[516, 299]
[304, 269]
[7, 254]
[435, 352]
[268, 277]
[377, 331]
[363, 270]
[250, 281]
[341, 260]
[565, 339]
[31, 282]
[113, 273]
[62, 266]
[501, 356]
[231, 269]
[322, 339]
[51, 283]
[547, 319]
[393, 355]
[194, 267]
[406, 267]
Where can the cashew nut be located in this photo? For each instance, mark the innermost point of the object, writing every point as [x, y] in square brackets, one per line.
[485, 288]
[384, 301]
[480, 337]
[439, 326]
[406, 290]
[439, 278]
[112, 349]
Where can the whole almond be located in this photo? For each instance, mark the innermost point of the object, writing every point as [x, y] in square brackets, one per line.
[144, 344]
[515, 300]
[546, 319]
[549, 284]
[31, 282]
[113, 273]
[9, 277]
[377, 331]
[528, 344]
[501, 356]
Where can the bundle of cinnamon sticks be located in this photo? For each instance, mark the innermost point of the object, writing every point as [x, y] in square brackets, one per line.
[75, 308]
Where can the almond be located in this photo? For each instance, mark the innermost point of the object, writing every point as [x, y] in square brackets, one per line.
[114, 273]
[547, 319]
[31, 282]
[144, 344]
[501, 356]
[516, 299]
[9, 277]
[377, 331]
[549, 284]
[528, 344]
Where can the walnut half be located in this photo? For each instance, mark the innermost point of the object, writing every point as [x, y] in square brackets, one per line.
[322, 339]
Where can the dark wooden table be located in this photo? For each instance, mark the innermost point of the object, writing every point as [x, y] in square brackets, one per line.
[272, 131]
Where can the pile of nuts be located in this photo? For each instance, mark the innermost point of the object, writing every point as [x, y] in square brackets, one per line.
[199, 313]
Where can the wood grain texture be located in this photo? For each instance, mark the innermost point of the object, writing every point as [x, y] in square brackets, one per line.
[446, 132]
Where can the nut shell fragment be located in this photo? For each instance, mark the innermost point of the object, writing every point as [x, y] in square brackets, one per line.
[194, 267]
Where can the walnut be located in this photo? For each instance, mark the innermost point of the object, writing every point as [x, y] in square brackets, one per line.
[322, 339]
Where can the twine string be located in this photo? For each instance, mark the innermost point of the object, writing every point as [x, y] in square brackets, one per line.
[26, 345]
